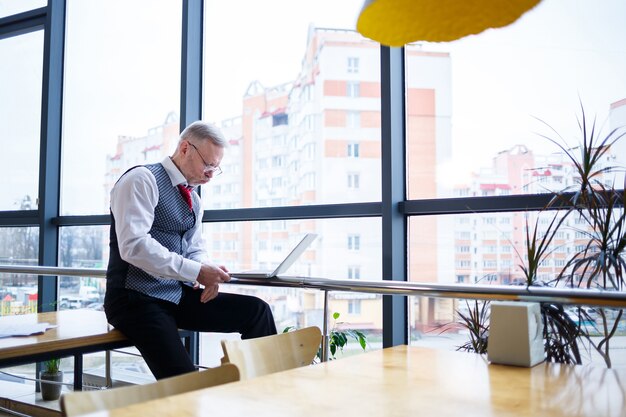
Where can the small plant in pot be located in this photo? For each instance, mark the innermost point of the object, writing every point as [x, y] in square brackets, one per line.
[51, 372]
[338, 339]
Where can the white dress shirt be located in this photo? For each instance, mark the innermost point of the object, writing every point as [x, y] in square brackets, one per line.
[133, 200]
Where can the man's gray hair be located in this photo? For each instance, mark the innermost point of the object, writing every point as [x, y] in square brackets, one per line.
[200, 130]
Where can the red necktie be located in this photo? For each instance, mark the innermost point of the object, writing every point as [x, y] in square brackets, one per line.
[186, 193]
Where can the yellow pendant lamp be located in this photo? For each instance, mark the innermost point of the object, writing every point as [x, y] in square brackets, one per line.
[398, 22]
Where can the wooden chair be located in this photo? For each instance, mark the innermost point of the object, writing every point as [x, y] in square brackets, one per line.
[82, 402]
[265, 355]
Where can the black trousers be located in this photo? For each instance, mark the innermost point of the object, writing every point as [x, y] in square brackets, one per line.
[152, 324]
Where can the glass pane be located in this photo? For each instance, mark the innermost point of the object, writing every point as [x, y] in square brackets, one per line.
[18, 292]
[341, 244]
[122, 85]
[490, 248]
[83, 247]
[344, 249]
[20, 120]
[302, 130]
[87, 247]
[10, 7]
[473, 104]
[487, 248]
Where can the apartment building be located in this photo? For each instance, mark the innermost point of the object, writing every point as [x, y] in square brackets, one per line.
[317, 140]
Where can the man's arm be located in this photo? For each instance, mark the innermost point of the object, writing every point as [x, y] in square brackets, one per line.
[210, 275]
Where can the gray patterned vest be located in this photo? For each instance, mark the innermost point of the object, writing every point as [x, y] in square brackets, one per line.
[172, 219]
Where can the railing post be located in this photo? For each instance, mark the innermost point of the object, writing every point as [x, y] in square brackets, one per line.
[325, 334]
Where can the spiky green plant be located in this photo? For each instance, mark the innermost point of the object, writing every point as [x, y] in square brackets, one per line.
[560, 332]
[477, 323]
[587, 163]
[601, 262]
[52, 366]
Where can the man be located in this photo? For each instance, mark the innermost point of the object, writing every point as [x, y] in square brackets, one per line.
[159, 278]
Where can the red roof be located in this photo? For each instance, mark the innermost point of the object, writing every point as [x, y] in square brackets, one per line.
[280, 110]
[545, 173]
[495, 186]
[152, 148]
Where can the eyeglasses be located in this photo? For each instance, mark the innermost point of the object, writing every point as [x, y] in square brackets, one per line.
[207, 167]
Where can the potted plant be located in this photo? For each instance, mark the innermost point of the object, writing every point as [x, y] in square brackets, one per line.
[599, 207]
[51, 372]
[338, 339]
[594, 209]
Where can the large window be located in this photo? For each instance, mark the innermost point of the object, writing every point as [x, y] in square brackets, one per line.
[475, 106]
[83, 247]
[121, 94]
[18, 292]
[302, 99]
[20, 120]
[9, 7]
[320, 104]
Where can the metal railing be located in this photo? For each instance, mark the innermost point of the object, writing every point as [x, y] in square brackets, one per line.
[574, 296]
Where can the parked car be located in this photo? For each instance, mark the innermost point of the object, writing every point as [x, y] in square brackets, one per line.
[95, 306]
[89, 294]
[69, 302]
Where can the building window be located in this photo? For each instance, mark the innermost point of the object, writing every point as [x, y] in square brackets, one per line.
[354, 242]
[354, 119]
[353, 65]
[280, 120]
[489, 263]
[277, 161]
[354, 272]
[463, 235]
[307, 93]
[353, 150]
[354, 307]
[353, 180]
[353, 89]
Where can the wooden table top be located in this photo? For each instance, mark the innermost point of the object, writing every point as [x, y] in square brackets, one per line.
[76, 330]
[405, 381]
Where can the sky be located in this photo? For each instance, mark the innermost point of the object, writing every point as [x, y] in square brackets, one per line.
[123, 78]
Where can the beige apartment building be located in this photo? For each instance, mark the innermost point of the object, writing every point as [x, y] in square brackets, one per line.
[317, 140]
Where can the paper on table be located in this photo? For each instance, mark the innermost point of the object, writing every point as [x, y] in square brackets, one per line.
[24, 329]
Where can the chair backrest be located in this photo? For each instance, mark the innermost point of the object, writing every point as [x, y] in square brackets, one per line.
[265, 355]
[82, 402]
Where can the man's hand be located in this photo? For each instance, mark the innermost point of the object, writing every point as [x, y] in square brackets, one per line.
[210, 277]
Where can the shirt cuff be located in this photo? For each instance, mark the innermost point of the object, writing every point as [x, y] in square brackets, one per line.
[190, 270]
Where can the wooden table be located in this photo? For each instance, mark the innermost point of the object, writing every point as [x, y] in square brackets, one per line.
[78, 332]
[405, 381]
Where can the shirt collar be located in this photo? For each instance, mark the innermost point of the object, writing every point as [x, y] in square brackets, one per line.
[173, 172]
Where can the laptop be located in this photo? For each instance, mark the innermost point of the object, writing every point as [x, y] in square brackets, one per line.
[284, 265]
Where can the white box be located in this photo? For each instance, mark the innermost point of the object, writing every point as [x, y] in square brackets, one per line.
[515, 334]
